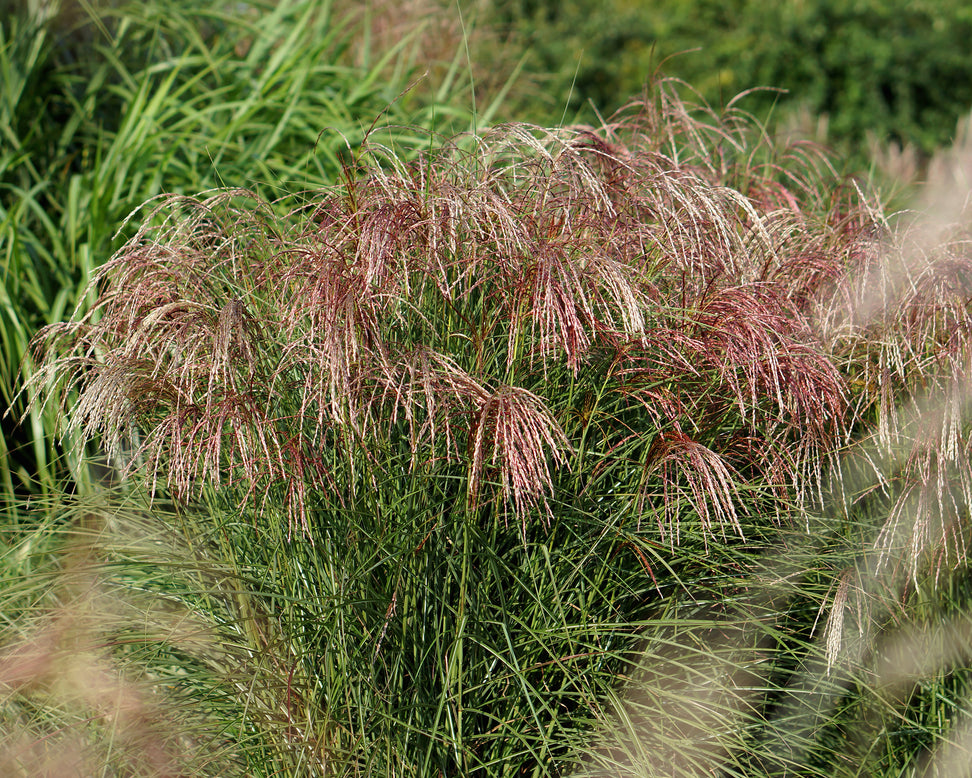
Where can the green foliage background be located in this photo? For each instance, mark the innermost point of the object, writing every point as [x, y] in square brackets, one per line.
[897, 68]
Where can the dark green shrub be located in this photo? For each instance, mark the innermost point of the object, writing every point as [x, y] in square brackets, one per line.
[896, 69]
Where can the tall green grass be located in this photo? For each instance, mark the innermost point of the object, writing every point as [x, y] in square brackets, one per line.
[106, 106]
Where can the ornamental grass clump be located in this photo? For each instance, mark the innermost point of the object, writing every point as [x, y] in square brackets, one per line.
[518, 297]
[476, 429]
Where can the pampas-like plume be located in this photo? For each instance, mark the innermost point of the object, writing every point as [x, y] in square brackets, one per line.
[516, 435]
[711, 490]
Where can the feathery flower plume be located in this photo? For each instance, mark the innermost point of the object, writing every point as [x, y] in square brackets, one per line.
[515, 435]
[711, 491]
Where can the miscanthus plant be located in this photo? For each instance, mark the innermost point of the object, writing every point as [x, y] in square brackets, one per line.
[541, 430]
[105, 105]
